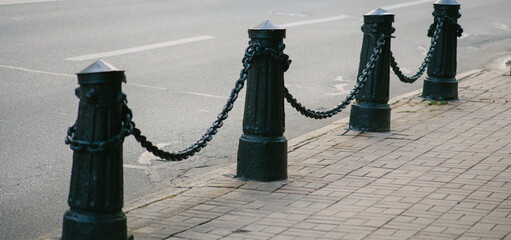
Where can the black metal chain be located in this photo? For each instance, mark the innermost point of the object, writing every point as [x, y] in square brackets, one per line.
[92, 146]
[278, 54]
[253, 50]
[350, 97]
[447, 19]
[438, 24]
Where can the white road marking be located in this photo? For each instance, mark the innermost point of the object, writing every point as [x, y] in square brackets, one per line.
[408, 4]
[146, 86]
[284, 13]
[501, 26]
[35, 71]
[203, 94]
[139, 49]
[134, 166]
[131, 84]
[9, 2]
[146, 157]
[465, 35]
[341, 17]
[183, 92]
[340, 87]
[321, 20]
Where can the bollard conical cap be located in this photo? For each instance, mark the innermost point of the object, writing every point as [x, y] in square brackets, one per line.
[98, 67]
[267, 25]
[446, 2]
[267, 30]
[378, 12]
[378, 15]
[100, 72]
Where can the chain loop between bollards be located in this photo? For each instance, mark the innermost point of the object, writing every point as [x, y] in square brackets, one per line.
[361, 80]
[251, 52]
[423, 66]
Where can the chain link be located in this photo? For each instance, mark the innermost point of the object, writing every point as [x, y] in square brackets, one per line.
[253, 50]
[434, 39]
[447, 19]
[92, 146]
[350, 97]
[279, 55]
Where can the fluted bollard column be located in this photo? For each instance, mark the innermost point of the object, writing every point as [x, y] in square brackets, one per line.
[372, 111]
[441, 83]
[96, 190]
[262, 152]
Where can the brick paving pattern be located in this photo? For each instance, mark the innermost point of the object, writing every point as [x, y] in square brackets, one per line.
[443, 172]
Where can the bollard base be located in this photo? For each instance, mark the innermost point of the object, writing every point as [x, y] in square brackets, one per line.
[370, 117]
[262, 158]
[440, 89]
[78, 226]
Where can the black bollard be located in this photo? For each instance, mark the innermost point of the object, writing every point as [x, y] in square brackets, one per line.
[96, 190]
[262, 152]
[372, 111]
[441, 83]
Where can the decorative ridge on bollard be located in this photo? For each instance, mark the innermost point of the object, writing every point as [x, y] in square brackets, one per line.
[262, 152]
[96, 189]
[441, 83]
[372, 111]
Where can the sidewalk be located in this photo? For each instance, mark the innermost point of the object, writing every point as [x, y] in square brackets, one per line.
[443, 172]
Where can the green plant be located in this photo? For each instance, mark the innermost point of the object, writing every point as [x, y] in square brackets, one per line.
[433, 102]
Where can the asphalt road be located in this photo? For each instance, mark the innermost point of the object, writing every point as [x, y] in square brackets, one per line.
[181, 59]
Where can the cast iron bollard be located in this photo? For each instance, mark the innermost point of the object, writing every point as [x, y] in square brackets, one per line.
[441, 83]
[262, 152]
[372, 111]
[96, 191]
